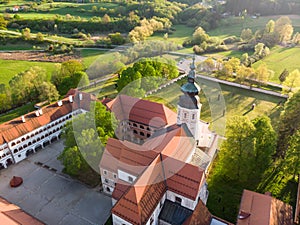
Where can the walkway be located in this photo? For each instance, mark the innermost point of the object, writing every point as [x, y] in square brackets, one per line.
[50, 196]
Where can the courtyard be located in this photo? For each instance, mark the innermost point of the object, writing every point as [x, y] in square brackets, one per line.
[51, 196]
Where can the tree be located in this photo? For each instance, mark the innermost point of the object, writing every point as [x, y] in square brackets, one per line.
[246, 34]
[26, 34]
[106, 19]
[292, 82]
[47, 91]
[244, 72]
[68, 75]
[208, 64]
[265, 143]
[3, 23]
[116, 39]
[289, 123]
[85, 138]
[270, 26]
[199, 36]
[283, 29]
[283, 75]
[292, 157]
[262, 73]
[39, 37]
[236, 154]
[5, 102]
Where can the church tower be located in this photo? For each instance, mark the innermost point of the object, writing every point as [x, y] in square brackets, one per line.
[189, 106]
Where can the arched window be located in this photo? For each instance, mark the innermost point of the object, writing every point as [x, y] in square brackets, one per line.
[16, 150]
[142, 134]
[142, 127]
[23, 139]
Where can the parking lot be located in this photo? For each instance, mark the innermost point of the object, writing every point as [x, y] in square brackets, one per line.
[49, 195]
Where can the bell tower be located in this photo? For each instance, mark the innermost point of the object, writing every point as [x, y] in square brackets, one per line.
[189, 106]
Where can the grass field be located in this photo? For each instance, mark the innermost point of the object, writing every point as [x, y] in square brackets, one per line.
[279, 59]
[180, 34]
[90, 55]
[254, 24]
[237, 102]
[9, 68]
[50, 10]
[16, 112]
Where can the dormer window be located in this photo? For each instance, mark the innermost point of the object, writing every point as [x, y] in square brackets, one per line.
[130, 179]
[178, 200]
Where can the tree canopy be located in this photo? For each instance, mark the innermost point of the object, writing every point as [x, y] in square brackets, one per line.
[85, 137]
[289, 123]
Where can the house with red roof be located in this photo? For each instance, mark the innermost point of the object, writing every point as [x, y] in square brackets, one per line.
[23, 136]
[155, 170]
[263, 209]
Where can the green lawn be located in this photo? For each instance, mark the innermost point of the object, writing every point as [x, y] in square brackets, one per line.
[9, 68]
[180, 34]
[16, 112]
[254, 24]
[279, 59]
[84, 10]
[90, 55]
[237, 102]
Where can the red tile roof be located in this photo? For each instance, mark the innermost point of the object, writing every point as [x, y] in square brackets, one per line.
[139, 202]
[200, 216]
[12, 215]
[120, 189]
[130, 157]
[130, 108]
[126, 156]
[262, 209]
[16, 128]
[183, 178]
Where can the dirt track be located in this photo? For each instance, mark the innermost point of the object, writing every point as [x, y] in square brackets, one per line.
[38, 56]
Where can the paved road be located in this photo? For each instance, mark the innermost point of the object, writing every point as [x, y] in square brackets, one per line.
[51, 197]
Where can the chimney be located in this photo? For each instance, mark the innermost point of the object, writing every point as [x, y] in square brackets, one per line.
[80, 96]
[59, 103]
[71, 98]
[40, 112]
[37, 113]
[23, 119]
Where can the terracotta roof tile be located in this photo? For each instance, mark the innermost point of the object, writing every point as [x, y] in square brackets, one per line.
[16, 128]
[139, 202]
[141, 111]
[183, 178]
[11, 214]
[262, 209]
[126, 156]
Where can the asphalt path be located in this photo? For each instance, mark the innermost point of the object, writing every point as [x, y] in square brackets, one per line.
[51, 196]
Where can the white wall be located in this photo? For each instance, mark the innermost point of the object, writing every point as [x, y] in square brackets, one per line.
[124, 176]
[119, 221]
[186, 202]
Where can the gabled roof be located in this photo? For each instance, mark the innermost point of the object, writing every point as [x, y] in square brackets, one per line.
[164, 173]
[200, 216]
[176, 142]
[127, 156]
[12, 215]
[138, 203]
[183, 178]
[16, 128]
[263, 209]
[142, 111]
